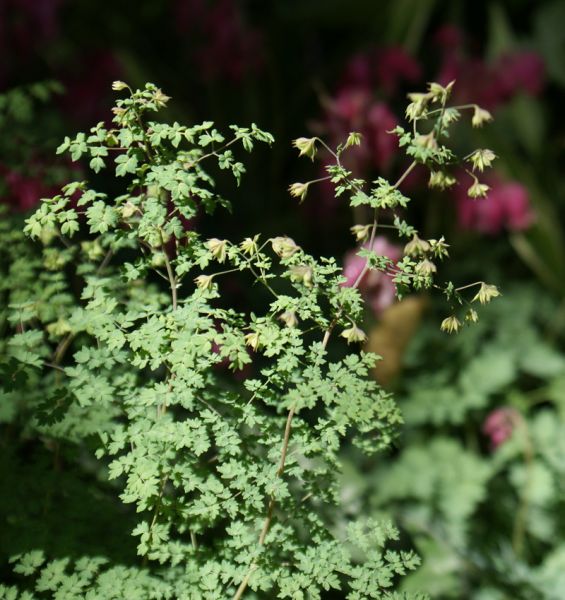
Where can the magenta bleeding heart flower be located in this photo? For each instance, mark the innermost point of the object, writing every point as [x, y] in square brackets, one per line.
[500, 424]
[24, 191]
[506, 207]
[488, 84]
[230, 49]
[376, 287]
[354, 109]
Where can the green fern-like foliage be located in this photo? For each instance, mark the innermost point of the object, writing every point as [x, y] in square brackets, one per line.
[220, 428]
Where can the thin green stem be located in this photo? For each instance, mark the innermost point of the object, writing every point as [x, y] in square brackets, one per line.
[287, 433]
[519, 531]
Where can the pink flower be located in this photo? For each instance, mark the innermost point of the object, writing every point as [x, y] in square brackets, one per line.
[449, 37]
[383, 146]
[487, 84]
[384, 69]
[376, 286]
[519, 71]
[499, 425]
[507, 206]
[358, 72]
[354, 109]
[25, 190]
[392, 66]
[88, 91]
[228, 47]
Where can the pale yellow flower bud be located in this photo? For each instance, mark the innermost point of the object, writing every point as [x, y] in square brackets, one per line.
[204, 282]
[482, 158]
[218, 249]
[478, 190]
[302, 274]
[441, 180]
[353, 139]
[354, 334]
[425, 267]
[480, 116]
[486, 293]
[416, 247]
[361, 232]
[249, 245]
[128, 209]
[284, 246]
[252, 340]
[472, 316]
[307, 146]
[451, 325]
[298, 190]
[118, 86]
[289, 318]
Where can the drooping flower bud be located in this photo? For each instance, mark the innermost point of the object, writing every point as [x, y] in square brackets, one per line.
[451, 324]
[416, 247]
[118, 86]
[426, 141]
[302, 274]
[128, 209]
[425, 267]
[217, 248]
[472, 316]
[439, 247]
[353, 139]
[354, 334]
[486, 293]
[204, 282]
[480, 117]
[441, 180]
[417, 106]
[478, 190]
[307, 146]
[289, 318]
[284, 247]
[482, 158]
[249, 245]
[298, 190]
[361, 232]
[439, 92]
[252, 340]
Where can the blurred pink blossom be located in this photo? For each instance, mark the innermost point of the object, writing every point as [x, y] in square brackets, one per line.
[355, 109]
[392, 66]
[377, 287]
[487, 84]
[507, 206]
[519, 71]
[25, 26]
[449, 37]
[24, 190]
[228, 47]
[27, 23]
[382, 144]
[88, 95]
[499, 425]
[381, 70]
[358, 72]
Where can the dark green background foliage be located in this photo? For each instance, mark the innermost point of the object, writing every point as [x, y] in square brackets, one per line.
[483, 514]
